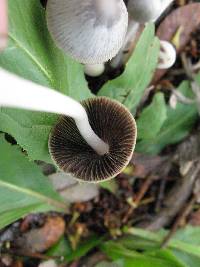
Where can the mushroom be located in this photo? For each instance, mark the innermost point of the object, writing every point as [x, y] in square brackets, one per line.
[141, 12]
[19, 93]
[144, 11]
[90, 31]
[133, 27]
[95, 144]
[94, 70]
[167, 55]
[113, 123]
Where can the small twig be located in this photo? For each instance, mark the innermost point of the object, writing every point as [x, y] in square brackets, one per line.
[176, 199]
[191, 75]
[196, 66]
[143, 190]
[160, 194]
[187, 66]
[145, 96]
[135, 202]
[187, 209]
[181, 98]
[177, 72]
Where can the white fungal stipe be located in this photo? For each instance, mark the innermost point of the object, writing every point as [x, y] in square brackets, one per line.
[167, 55]
[131, 34]
[94, 70]
[147, 10]
[16, 92]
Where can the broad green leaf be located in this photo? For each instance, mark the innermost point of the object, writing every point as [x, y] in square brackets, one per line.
[32, 54]
[177, 126]
[187, 259]
[117, 251]
[183, 249]
[185, 246]
[130, 86]
[190, 235]
[152, 118]
[23, 188]
[166, 254]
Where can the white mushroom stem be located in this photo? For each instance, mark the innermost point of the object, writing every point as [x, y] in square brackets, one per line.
[133, 27]
[163, 6]
[159, 5]
[145, 11]
[167, 55]
[16, 92]
[94, 70]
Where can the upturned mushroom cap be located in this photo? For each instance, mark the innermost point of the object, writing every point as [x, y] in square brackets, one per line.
[113, 123]
[91, 31]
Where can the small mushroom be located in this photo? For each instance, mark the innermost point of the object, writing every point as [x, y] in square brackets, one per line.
[113, 123]
[94, 70]
[95, 144]
[144, 11]
[90, 31]
[167, 55]
[131, 35]
[141, 12]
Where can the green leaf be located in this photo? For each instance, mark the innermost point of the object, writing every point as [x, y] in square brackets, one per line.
[84, 248]
[174, 244]
[183, 248]
[130, 86]
[32, 54]
[166, 254]
[23, 188]
[187, 259]
[190, 235]
[177, 126]
[118, 263]
[117, 251]
[152, 118]
[110, 185]
[149, 262]
[61, 249]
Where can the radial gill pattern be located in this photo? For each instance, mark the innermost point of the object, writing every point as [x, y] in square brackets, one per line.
[113, 123]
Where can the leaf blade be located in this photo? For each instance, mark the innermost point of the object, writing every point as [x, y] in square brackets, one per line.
[23, 188]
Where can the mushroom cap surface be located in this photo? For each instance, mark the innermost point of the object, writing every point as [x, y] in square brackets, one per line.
[90, 31]
[113, 123]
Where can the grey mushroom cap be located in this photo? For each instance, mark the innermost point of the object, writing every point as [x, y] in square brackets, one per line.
[113, 123]
[144, 11]
[90, 31]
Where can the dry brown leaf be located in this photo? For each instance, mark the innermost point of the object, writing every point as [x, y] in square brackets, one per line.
[186, 18]
[41, 239]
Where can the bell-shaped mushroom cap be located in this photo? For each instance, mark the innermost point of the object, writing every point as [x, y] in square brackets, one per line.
[144, 11]
[91, 31]
[113, 123]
